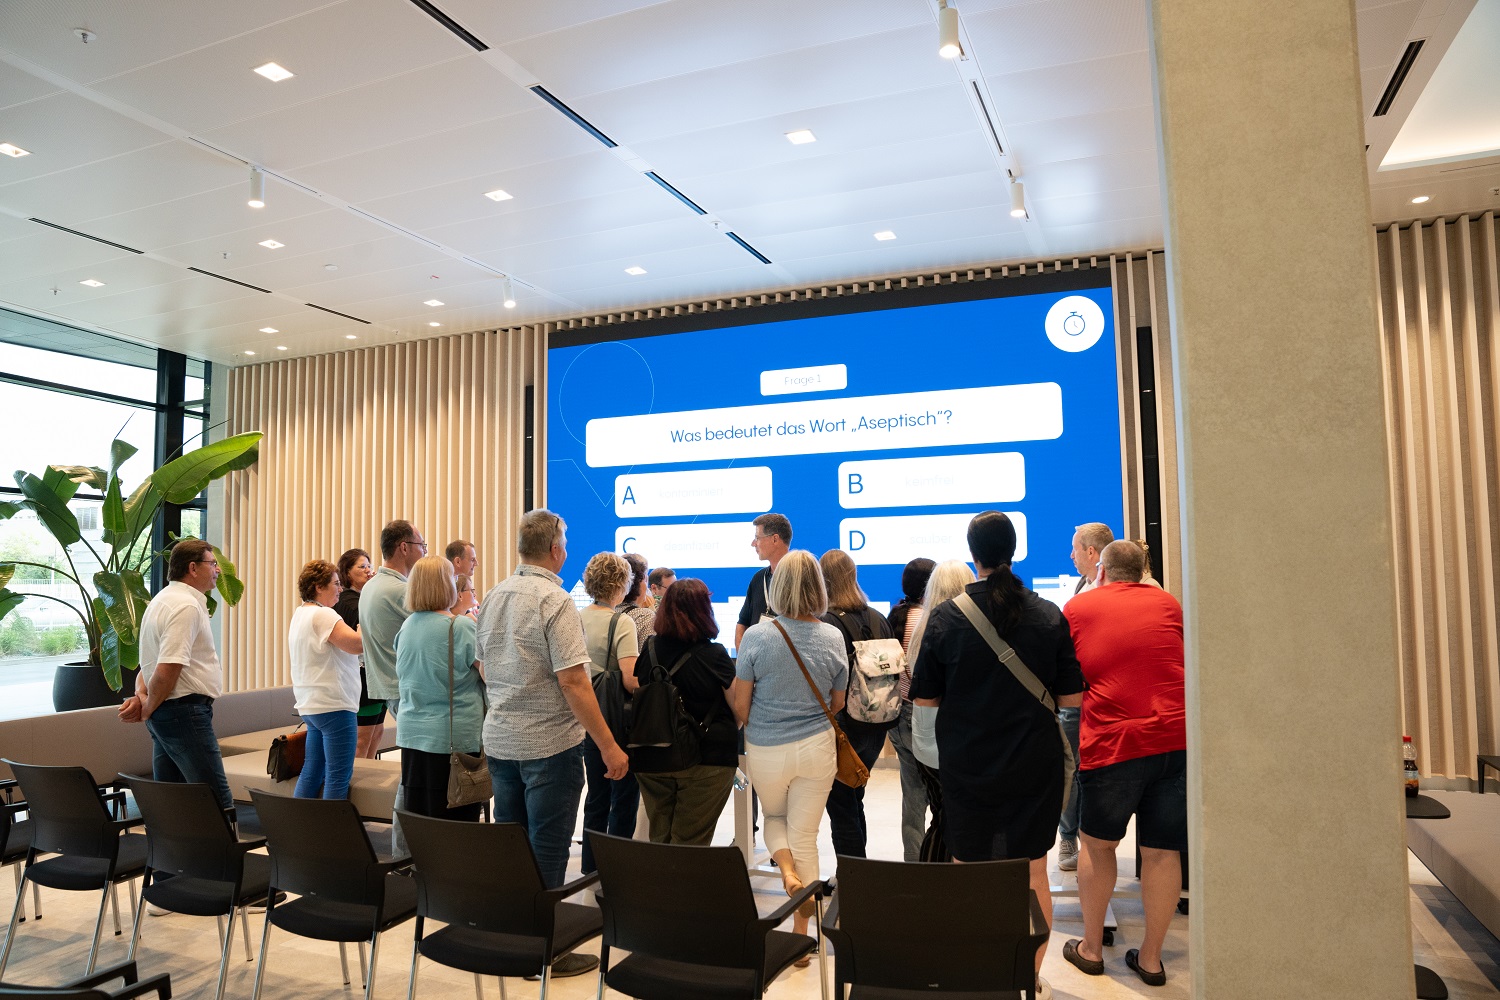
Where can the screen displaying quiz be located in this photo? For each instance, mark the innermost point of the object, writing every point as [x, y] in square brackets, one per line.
[879, 432]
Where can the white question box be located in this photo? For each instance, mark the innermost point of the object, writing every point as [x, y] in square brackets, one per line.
[936, 480]
[934, 419]
[896, 540]
[717, 545]
[702, 491]
[815, 378]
